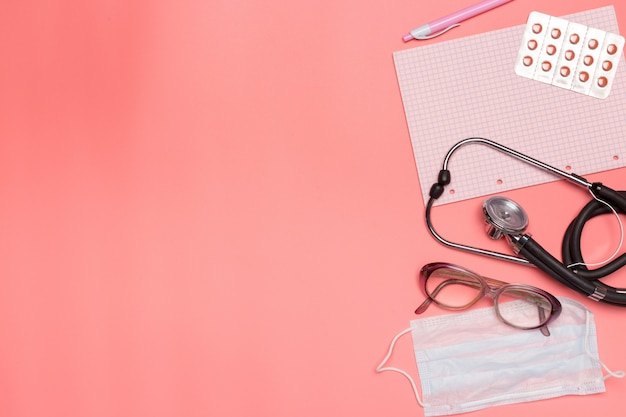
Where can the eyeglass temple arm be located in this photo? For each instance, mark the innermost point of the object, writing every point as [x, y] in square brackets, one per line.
[423, 306]
[542, 317]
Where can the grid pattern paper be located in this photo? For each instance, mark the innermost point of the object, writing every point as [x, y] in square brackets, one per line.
[468, 87]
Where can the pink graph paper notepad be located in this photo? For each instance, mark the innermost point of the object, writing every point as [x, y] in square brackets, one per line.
[468, 87]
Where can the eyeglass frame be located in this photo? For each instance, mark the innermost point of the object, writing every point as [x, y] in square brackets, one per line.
[489, 287]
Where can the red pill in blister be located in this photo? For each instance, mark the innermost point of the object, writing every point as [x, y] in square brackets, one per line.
[569, 55]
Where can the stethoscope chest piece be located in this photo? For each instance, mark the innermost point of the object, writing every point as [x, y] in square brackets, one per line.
[504, 216]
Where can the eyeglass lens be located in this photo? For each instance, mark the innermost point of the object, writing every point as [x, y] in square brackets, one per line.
[530, 310]
[453, 289]
[456, 290]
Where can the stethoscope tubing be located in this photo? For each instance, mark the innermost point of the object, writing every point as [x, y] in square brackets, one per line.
[479, 251]
[518, 155]
[572, 272]
[540, 258]
[571, 250]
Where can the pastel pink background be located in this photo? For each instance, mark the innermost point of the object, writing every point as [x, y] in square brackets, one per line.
[211, 208]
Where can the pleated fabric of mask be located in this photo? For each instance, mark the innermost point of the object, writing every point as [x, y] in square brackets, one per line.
[470, 361]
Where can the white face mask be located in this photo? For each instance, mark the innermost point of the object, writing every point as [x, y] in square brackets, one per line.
[472, 360]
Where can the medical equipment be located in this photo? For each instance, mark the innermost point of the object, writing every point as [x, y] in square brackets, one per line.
[455, 288]
[506, 218]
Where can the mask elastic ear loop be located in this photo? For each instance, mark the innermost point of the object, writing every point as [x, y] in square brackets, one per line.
[614, 374]
[380, 368]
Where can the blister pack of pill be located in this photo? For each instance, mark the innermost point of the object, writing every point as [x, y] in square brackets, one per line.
[569, 55]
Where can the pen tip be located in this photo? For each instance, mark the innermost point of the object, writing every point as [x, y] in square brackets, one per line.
[407, 37]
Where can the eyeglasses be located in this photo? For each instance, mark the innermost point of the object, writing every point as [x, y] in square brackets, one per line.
[455, 288]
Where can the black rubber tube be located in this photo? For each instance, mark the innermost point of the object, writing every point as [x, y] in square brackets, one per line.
[542, 259]
[571, 249]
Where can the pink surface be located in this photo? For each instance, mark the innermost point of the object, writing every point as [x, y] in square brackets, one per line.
[212, 209]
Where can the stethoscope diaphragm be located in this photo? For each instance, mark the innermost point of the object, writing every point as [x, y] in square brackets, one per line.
[504, 216]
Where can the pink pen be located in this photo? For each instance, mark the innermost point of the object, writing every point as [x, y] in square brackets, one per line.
[439, 26]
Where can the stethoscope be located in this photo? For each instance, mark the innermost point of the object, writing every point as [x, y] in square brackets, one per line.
[507, 219]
